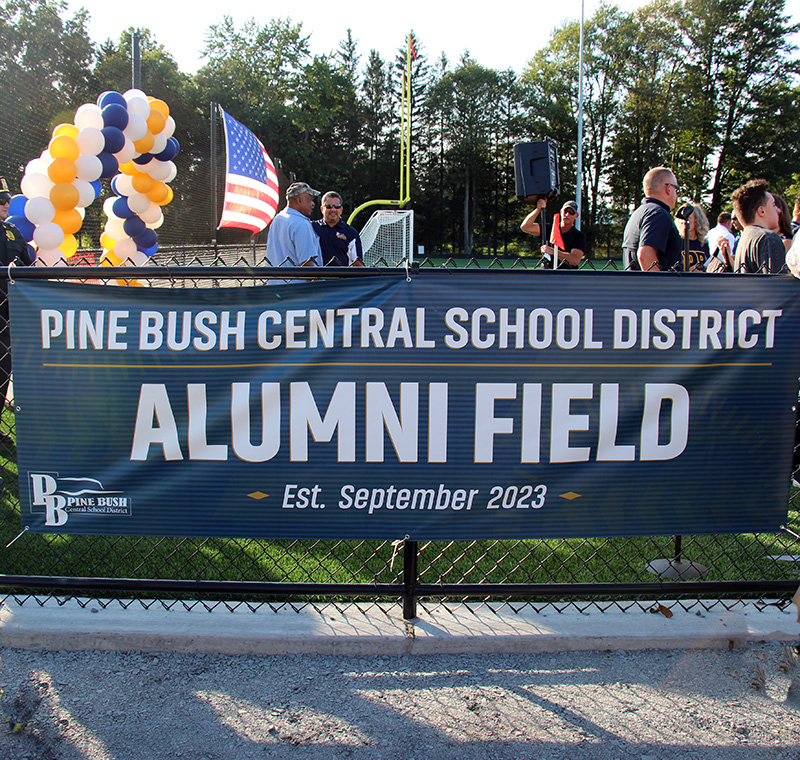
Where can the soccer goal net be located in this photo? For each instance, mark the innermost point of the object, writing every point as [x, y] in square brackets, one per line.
[388, 237]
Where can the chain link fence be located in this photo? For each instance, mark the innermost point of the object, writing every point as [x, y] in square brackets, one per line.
[215, 572]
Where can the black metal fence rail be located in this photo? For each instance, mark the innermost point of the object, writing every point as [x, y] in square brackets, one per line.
[598, 572]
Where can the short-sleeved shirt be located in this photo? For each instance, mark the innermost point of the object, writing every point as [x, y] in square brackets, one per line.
[340, 244]
[651, 224]
[291, 240]
[760, 251]
[573, 238]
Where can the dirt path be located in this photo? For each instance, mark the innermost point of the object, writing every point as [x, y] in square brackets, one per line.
[574, 706]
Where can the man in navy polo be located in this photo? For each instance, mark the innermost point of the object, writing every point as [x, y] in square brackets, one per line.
[340, 243]
[651, 242]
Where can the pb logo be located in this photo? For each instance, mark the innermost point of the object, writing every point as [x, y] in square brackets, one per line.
[44, 489]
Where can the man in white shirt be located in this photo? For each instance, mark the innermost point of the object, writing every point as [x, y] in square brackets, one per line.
[722, 230]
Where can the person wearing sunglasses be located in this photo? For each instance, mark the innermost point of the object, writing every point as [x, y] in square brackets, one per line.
[651, 242]
[340, 243]
[574, 240]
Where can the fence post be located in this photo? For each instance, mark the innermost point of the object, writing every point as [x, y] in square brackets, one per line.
[410, 555]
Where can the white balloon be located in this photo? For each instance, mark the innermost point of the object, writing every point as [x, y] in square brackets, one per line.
[169, 127]
[127, 153]
[151, 214]
[34, 185]
[125, 248]
[124, 184]
[50, 258]
[173, 172]
[37, 166]
[137, 127]
[139, 106]
[89, 167]
[156, 169]
[85, 193]
[138, 258]
[155, 225]
[115, 230]
[134, 93]
[48, 235]
[137, 202]
[40, 210]
[91, 141]
[159, 143]
[89, 115]
[107, 207]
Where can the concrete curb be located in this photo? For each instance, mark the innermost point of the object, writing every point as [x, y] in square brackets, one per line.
[79, 625]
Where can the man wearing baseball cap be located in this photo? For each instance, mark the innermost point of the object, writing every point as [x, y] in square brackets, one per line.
[291, 240]
[574, 240]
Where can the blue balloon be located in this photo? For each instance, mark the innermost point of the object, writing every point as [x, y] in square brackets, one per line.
[121, 208]
[170, 151]
[145, 158]
[115, 115]
[17, 205]
[146, 239]
[31, 252]
[25, 227]
[111, 96]
[97, 186]
[115, 140]
[134, 226]
[151, 250]
[110, 164]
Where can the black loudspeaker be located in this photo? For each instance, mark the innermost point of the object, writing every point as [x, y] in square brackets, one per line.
[536, 168]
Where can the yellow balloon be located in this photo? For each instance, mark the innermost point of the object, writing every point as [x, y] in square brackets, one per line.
[144, 145]
[69, 220]
[158, 192]
[62, 170]
[64, 147]
[111, 259]
[69, 247]
[156, 121]
[70, 130]
[168, 199]
[128, 168]
[143, 183]
[107, 242]
[64, 196]
[159, 106]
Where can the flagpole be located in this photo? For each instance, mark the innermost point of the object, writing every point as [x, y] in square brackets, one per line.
[579, 178]
[214, 205]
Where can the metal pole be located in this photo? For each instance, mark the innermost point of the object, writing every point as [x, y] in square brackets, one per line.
[136, 61]
[213, 169]
[410, 558]
[579, 173]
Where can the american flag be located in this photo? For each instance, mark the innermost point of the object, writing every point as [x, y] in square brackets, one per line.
[251, 184]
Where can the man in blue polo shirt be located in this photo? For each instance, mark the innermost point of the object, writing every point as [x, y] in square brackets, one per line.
[340, 243]
[651, 242]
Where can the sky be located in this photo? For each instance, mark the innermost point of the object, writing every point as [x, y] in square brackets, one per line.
[495, 34]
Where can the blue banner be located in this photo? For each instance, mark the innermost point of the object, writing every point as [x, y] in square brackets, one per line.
[451, 406]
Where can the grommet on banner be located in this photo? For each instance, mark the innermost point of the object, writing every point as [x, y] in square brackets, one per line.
[24, 530]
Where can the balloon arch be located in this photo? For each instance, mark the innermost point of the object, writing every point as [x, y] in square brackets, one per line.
[126, 138]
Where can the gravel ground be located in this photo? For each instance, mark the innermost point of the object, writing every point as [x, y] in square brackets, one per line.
[643, 705]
